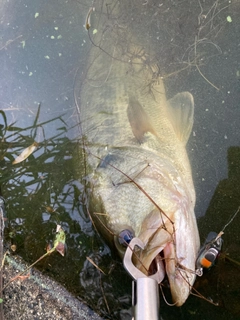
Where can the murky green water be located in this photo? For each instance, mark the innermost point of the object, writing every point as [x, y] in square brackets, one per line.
[43, 51]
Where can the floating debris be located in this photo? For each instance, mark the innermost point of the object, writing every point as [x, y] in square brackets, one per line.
[95, 265]
[59, 242]
[87, 24]
[23, 44]
[13, 247]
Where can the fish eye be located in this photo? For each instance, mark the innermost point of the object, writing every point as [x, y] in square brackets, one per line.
[125, 236]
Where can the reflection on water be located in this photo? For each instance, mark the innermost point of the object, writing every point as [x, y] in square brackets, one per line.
[43, 58]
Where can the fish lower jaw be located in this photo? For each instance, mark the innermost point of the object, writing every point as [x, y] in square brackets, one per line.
[180, 285]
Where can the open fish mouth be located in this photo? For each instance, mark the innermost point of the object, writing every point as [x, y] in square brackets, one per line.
[158, 263]
[179, 272]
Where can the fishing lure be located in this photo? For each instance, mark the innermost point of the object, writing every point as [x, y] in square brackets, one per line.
[211, 249]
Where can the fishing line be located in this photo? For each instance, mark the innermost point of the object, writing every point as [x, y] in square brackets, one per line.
[231, 219]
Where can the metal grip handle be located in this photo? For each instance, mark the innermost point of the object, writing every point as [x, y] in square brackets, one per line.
[145, 296]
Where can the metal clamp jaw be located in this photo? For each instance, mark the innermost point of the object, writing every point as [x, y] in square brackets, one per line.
[145, 289]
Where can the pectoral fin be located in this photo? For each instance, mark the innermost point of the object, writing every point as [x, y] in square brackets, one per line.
[180, 111]
[138, 119]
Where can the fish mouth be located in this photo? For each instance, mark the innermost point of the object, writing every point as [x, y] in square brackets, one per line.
[160, 256]
[164, 265]
[165, 252]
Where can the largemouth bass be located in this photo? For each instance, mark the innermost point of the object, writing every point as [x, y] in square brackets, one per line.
[135, 145]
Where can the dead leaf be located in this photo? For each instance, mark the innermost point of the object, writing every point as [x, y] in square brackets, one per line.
[50, 209]
[61, 248]
[59, 242]
[58, 228]
[13, 247]
[26, 153]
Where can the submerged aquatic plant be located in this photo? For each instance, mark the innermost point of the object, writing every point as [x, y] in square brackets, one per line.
[41, 180]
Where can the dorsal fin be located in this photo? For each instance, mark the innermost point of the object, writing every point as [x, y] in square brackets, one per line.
[180, 110]
[138, 119]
